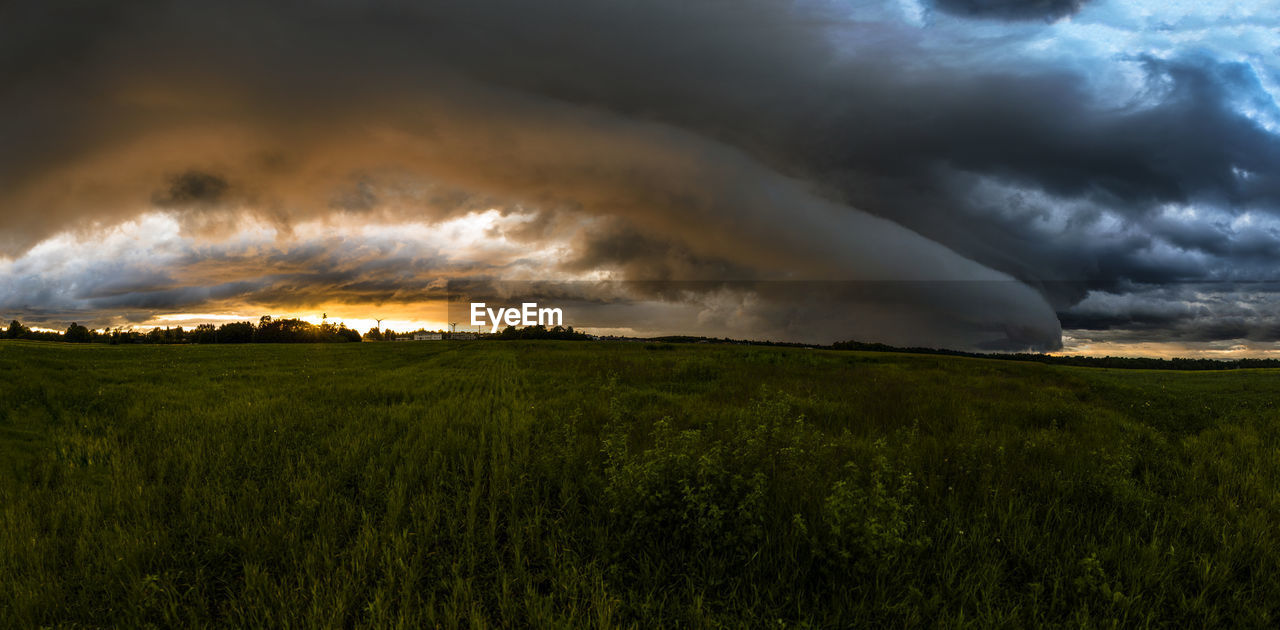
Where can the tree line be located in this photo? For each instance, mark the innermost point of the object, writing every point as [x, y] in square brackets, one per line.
[510, 332]
[541, 332]
[267, 330]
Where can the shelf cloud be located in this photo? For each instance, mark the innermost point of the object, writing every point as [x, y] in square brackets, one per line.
[1001, 169]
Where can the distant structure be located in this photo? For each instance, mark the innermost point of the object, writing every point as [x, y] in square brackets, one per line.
[462, 336]
[427, 336]
[453, 326]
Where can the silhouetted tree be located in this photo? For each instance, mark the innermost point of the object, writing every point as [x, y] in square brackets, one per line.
[205, 333]
[16, 330]
[76, 333]
[235, 332]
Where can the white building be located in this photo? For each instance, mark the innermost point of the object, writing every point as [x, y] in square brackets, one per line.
[427, 336]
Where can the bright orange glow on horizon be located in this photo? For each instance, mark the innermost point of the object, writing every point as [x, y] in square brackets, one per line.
[396, 320]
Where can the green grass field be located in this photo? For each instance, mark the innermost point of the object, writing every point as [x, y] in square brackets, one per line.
[559, 484]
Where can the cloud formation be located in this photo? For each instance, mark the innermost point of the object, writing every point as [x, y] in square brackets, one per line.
[988, 176]
[1011, 9]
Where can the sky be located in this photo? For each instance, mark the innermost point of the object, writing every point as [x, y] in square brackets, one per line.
[1095, 177]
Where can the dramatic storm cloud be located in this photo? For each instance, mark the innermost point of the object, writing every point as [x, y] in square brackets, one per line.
[953, 173]
[1011, 9]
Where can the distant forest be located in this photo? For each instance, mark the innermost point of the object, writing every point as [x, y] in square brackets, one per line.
[267, 330]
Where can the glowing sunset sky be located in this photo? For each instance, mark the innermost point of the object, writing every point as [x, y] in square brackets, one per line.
[1099, 177]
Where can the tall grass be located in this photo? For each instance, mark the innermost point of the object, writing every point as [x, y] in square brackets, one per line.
[540, 484]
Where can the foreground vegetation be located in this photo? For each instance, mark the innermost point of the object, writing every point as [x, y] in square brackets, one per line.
[557, 484]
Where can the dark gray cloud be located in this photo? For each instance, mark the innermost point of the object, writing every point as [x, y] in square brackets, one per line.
[664, 141]
[1011, 9]
[1185, 312]
[192, 187]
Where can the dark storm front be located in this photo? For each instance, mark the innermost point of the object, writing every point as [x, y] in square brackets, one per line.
[796, 311]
